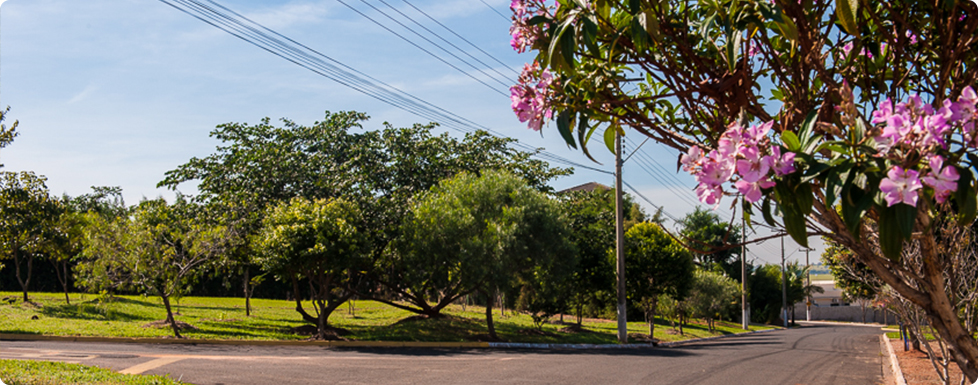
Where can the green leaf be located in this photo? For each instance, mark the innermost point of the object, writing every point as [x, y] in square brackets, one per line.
[640, 38]
[591, 35]
[858, 131]
[567, 47]
[766, 212]
[790, 141]
[846, 11]
[584, 132]
[609, 138]
[537, 20]
[794, 224]
[906, 216]
[965, 196]
[563, 126]
[634, 6]
[807, 128]
[891, 239]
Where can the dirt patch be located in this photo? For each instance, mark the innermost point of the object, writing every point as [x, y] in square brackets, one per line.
[642, 338]
[672, 332]
[917, 367]
[162, 324]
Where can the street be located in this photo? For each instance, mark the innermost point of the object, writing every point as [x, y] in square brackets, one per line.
[813, 354]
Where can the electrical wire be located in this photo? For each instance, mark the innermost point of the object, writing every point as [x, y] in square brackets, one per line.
[496, 11]
[462, 38]
[511, 81]
[416, 45]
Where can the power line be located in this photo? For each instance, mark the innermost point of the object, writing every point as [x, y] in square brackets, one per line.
[464, 39]
[448, 42]
[416, 45]
[497, 12]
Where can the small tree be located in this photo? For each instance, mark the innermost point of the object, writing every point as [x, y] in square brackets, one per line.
[317, 240]
[480, 233]
[26, 212]
[160, 250]
[655, 264]
[712, 294]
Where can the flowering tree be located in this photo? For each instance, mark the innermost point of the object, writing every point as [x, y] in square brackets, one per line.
[848, 119]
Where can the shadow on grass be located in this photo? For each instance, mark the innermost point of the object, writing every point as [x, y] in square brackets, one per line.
[19, 331]
[90, 312]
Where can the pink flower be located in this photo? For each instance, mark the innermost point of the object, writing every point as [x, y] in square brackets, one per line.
[783, 164]
[692, 158]
[531, 97]
[752, 190]
[715, 171]
[754, 167]
[942, 180]
[709, 194]
[900, 186]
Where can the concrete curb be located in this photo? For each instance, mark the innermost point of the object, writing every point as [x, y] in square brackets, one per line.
[358, 344]
[894, 363]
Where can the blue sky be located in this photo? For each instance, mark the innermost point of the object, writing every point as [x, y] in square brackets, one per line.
[118, 92]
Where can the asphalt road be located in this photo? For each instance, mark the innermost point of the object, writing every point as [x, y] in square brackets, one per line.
[814, 354]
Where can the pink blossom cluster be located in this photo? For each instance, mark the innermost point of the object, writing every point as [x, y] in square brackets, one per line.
[523, 34]
[916, 127]
[744, 156]
[531, 97]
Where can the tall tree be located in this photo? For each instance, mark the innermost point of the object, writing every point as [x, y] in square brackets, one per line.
[591, 220]
[655, 264]
[160, 250]
[414, 160]
[26, 214]
[259, 166]
[477, 233]
[712, 241]
[317, 240]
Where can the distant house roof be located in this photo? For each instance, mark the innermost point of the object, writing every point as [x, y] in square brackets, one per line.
[590, 186]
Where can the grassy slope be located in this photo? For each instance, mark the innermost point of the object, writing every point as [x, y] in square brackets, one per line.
[224, 318]
[15, 372]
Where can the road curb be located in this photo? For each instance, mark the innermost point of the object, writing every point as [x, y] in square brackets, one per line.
[894, 362]
[360, 344]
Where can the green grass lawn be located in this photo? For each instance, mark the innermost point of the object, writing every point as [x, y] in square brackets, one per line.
[16, 372]
[224, 318]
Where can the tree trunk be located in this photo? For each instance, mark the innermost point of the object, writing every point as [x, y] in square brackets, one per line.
[62, 276]
[298, 303]
[30, 267]
[580, 313]
[930, 296]
[492, 330]
[650, 316]
[169, 316]
[247, 292]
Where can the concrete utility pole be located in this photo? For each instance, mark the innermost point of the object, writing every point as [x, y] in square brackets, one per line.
[620, 245]
[784, 287]
[808, 285]
[745, 310]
